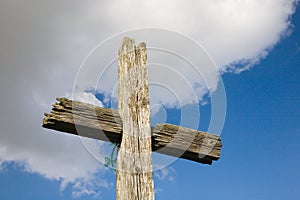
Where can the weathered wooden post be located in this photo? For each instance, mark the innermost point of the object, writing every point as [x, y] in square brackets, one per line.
[130, 128]
[134, 161]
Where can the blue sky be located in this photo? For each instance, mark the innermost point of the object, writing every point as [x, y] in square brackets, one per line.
[260, 137]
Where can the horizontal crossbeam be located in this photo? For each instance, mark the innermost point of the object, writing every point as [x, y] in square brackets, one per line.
[105, 124]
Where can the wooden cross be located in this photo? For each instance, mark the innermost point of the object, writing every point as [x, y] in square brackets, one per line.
[130, 127]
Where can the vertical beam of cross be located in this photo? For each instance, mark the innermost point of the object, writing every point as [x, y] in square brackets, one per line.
[134, 161]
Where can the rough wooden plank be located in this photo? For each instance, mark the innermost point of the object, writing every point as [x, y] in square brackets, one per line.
[105, 124]
[85, 120]
[186, 143]
[134, 162]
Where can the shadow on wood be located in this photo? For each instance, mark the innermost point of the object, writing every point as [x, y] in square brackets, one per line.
[105, 124]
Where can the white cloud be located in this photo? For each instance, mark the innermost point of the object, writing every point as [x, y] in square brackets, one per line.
[44, 42]
[165, 174]
[83, 188]
[1, 165]
[85, 97]
[236, 34]
[231, 30]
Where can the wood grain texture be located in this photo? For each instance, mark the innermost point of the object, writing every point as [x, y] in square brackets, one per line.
[134, 161]
[130, 128]
[105, 124]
